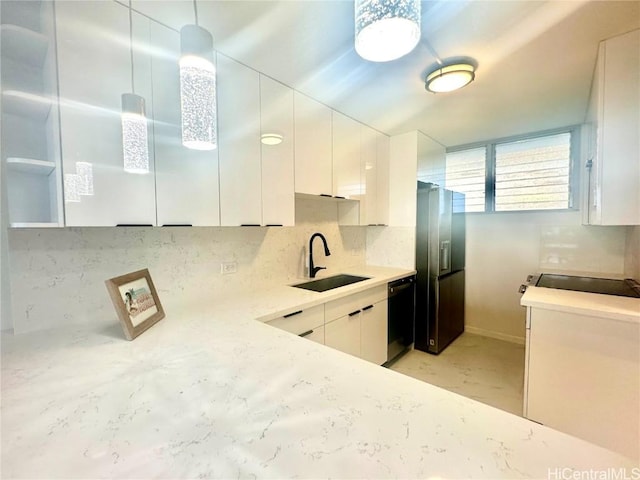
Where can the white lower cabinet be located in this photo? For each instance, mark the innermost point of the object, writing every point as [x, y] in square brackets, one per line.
[355, 324]
[582, 377]
[307, 323]
[373, 333]
[344, 334]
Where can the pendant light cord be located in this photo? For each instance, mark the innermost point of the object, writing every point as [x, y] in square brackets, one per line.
[133, 87]
[195, 10]
[433, 52]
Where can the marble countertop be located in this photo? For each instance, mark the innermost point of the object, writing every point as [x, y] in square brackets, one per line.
[592, 304]
[211, 393]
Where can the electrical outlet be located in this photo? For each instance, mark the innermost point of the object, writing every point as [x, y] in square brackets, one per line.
[228, 267]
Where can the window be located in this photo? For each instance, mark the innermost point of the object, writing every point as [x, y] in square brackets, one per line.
[531, 173]
[465, 173]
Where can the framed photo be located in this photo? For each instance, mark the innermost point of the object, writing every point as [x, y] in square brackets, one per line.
[136, 301]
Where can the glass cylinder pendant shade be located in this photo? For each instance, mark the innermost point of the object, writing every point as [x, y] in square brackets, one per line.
[135, 143]
[386, 29]
[197, 89]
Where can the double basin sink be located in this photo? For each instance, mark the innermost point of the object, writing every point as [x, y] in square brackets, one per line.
[329, 283]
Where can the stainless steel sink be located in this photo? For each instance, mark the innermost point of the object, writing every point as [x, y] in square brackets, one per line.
[329, 283]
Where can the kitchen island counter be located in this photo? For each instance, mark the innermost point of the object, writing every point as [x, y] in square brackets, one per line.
[614, 307]
[212, 393]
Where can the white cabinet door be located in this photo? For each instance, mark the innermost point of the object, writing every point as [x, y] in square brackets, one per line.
[186, 180]
[312, 146]
[276, 117]
[616, 168]
[344, 334]
[315, 335]
[583, 378]
[346, 157]
[373, 333]
[94, 71]
[369, 174]
[239, 143]
[382, 179]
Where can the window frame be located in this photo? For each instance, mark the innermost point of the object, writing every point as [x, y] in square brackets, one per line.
[490, 168]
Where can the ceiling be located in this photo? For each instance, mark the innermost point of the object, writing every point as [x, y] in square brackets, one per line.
[535, 59]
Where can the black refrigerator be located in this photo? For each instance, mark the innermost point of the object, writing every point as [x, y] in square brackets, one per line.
[440, 257]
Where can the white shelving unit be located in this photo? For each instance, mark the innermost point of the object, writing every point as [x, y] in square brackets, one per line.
[30, 143]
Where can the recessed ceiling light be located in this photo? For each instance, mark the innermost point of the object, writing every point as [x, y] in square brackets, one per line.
[271, 138]
[447, 78]
[386, 30]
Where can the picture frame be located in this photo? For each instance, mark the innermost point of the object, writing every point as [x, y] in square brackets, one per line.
[136, 301]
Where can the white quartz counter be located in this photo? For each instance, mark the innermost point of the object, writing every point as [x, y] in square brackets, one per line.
[211, 393]
[593, 304]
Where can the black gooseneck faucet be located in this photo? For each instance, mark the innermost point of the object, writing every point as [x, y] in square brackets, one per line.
[312, 268]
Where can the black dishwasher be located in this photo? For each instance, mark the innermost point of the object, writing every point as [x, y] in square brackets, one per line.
[401, 309]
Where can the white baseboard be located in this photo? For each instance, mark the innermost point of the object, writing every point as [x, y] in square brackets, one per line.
[492, 334]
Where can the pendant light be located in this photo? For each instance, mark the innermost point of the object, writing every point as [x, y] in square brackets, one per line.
[386, 29]
[135, 142]
[197, 87]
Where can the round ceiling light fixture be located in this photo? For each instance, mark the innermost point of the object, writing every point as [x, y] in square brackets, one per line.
[271, 138]
[386, 30]
[447, 78]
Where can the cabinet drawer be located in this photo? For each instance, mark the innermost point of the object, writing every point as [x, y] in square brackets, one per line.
[300, 322]
[349, 304]
[316, 335]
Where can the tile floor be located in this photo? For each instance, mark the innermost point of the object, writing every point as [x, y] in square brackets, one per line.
[485, 369]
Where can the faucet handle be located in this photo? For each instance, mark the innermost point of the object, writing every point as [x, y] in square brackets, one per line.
[316, 270]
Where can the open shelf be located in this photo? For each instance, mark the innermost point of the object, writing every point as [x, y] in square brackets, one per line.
[27, 14]
[30, 165]
[26, 104]
[23, 45]
[34, 225]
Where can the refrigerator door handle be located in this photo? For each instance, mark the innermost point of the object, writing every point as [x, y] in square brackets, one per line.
[444, 255]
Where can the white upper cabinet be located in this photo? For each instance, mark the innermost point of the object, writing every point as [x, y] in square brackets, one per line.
[276, 118]
[187, 188]
[31, 170]
[382, 180]
[94, 68]
[347, 181]
[373, 166]
[612, 182]
[312, 146]
[239, 143]
[369, 175]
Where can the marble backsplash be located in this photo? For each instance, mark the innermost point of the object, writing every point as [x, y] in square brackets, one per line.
[57, 275]
[632, 256]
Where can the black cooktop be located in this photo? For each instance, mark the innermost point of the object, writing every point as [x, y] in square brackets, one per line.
[606, 286]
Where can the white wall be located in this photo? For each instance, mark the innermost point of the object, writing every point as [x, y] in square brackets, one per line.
[502, 249]
[58, 275]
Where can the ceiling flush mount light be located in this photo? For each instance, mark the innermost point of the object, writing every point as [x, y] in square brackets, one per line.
[135, 142]
[197, 87]
[386, 29]
[447, 78]
[271, 138]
